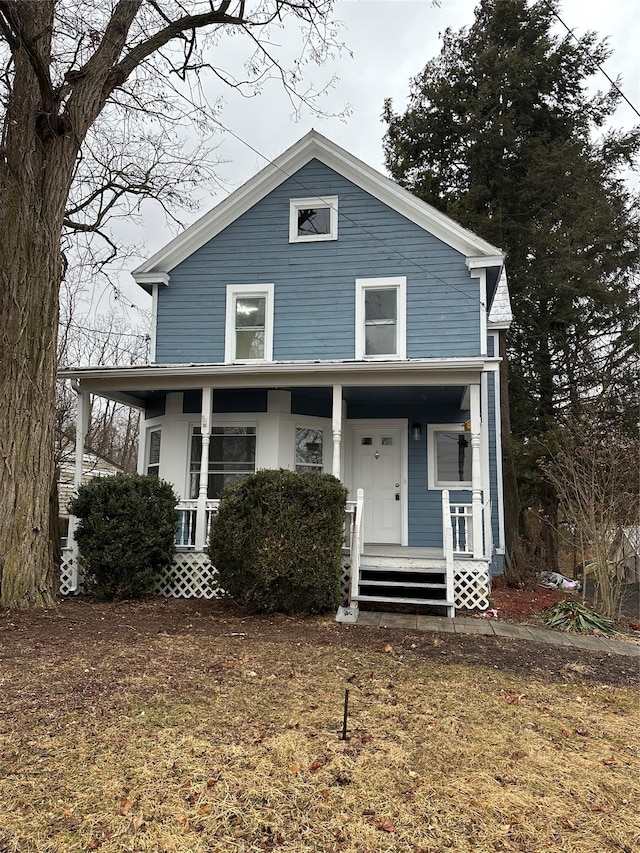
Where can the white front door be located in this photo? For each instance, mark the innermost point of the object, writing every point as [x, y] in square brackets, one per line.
[377, 468]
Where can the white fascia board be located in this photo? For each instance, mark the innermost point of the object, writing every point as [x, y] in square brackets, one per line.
[315, 146]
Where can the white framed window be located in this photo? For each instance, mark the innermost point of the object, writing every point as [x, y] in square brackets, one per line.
[313, 219]
[232, 455]
[449, 456]
[309, 449]
[381, 317]
[153, 452]
[249, 322]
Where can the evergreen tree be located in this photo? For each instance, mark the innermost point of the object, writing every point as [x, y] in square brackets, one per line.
[502, 135]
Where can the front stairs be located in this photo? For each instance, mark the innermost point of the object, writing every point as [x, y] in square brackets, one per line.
[401, 575]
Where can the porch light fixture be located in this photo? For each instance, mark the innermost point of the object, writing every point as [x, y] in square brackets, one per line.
[416, 432]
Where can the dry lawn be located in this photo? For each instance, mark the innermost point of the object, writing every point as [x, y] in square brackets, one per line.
[189, 740]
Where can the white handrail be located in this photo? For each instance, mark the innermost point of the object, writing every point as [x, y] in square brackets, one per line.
[447, 545]
[356, 547]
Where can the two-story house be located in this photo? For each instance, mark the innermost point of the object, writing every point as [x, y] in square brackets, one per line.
[322, 318]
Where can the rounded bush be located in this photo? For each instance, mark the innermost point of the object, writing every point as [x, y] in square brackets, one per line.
[126, 533]
[277, 541]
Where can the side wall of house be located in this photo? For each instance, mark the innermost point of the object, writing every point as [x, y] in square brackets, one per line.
[314, 283]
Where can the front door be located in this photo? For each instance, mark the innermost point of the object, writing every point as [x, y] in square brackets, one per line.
[377, 468]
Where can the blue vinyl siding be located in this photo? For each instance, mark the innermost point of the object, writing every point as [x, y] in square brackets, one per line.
[315, 282]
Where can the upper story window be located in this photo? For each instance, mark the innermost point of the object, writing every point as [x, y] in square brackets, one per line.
[449, 450]
[249, 324]
[313, 219]
[381, 317]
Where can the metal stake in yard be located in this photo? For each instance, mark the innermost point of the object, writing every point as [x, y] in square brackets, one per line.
[344, 718]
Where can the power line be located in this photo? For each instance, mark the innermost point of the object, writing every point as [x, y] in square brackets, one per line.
[579, 42]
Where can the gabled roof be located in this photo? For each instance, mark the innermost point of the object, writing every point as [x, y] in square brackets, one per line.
[313, 146]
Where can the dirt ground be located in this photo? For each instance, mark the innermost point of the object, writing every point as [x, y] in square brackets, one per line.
[93, 627]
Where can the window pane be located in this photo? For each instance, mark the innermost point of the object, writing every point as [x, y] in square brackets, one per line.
[232, 455]
[367, 439]
[250, 343]
[380, 305]
[380, 340]
[154, 447]
[386, 441]
[250, 312]
[453, 452]
[308, 449]
[314, 221]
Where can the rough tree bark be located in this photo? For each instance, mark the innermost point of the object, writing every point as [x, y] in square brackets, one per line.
[45, 123]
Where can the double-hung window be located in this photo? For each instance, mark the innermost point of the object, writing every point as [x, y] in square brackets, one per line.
[381, 318]
[449, 450]
[309, 449]
[153, 453]
[249, 322]
[313, 219]
[232, 455]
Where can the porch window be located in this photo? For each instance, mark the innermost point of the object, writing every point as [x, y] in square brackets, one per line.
[153, 458]
[232, 455]
[309, 449]
[249, 324]
[313, 219]
[449, 460]
[381, 318]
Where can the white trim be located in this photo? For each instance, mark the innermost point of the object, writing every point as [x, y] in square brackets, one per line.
[315, 146]
[497, 414]
[154, 323]
[233, 291]
[148, 433]
[485, 261]
[485, 470]
[391, 423]
[433, 484]
[297, 204]
[399, 283]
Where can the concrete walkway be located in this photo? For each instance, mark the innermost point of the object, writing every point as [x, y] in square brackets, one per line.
[495, 628]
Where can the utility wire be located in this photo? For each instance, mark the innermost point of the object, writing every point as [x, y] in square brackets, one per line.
[579, 42]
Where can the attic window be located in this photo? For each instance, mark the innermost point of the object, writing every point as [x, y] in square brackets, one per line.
[313, 219]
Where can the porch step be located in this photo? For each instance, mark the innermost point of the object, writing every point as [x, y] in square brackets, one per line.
[399, 563]
[395, 569]
[385, 599]
[403, 584]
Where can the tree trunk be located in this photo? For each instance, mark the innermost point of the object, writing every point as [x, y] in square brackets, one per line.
[30, 269]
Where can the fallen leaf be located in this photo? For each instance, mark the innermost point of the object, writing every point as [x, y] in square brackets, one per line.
[137, 823]
[388, 648]
[205, 809]
[125, 806]
[367, 738]
[315, 765]
[324, 793]
[369, 812]
[384, 825]
[294, 768]
[569, 824]
[565, 733]
[610, 762]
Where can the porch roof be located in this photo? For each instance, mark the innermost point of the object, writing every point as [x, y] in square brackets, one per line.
[135, 384]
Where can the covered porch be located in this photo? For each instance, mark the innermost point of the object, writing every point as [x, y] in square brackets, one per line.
[378, 428]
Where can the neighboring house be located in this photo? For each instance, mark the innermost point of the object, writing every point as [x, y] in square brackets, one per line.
[92, 466]
[323, 318]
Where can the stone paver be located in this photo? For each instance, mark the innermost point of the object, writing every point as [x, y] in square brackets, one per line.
[489, 627]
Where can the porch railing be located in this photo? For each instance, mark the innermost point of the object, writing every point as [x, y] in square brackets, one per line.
[461, 527]
[356, 546]
[187, 521]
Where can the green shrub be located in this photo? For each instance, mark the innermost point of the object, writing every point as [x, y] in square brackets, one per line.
[277, 541]
[126, 533]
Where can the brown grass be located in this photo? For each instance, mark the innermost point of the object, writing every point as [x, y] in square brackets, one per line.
[193, 743]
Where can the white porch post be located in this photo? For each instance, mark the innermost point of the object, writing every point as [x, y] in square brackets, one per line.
[336, 426]
[203, 481]
[82, 426]
[476, 473]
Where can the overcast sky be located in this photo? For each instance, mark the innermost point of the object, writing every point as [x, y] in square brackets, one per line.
[391, 40]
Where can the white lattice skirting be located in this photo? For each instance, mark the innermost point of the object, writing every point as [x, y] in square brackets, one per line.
[471, 584]
[190, 576]
[67, 575]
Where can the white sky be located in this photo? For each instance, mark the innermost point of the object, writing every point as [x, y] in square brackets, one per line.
[391, 41]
